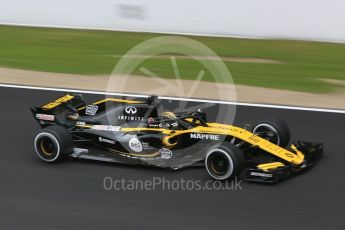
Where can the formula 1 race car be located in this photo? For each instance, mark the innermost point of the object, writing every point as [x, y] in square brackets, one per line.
[134, 132]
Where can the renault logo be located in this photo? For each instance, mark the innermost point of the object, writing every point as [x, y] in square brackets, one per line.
[131, 110]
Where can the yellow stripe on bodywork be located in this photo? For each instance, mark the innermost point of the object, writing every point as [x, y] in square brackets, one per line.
[253, 139]
[233, 131]
[229, 130]
[144, 155]
[84, 126]
[115, 100]
[58, 102]
[268, 166]
[135, 154]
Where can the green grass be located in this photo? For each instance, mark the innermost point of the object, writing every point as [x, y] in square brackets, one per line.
[93, 52]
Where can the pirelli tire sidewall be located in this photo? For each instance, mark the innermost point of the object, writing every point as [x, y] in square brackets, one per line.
[53, 144]
[230, 153]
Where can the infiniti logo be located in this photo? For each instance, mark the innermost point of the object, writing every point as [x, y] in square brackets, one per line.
[131, 110]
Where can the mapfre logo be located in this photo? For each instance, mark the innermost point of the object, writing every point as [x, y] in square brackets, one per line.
[203, 136]
[131, 110]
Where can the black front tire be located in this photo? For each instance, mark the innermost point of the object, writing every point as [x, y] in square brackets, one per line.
[224, 162]
[276, 126]
[53, 144]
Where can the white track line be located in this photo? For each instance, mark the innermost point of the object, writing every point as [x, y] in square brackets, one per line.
[176, 99]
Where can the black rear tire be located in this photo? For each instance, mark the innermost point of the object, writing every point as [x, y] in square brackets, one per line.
[53, 144]
[276, 126]
[224, 162]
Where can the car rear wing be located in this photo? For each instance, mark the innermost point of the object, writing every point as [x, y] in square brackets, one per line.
[67, 101]
[47, 113]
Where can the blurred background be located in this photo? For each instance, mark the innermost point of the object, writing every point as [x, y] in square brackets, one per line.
[298, 19]
[280, 52]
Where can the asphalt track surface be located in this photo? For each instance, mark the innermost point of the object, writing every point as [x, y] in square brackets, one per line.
[70, 195]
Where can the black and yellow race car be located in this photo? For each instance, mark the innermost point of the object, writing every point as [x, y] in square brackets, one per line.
[134, 132]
